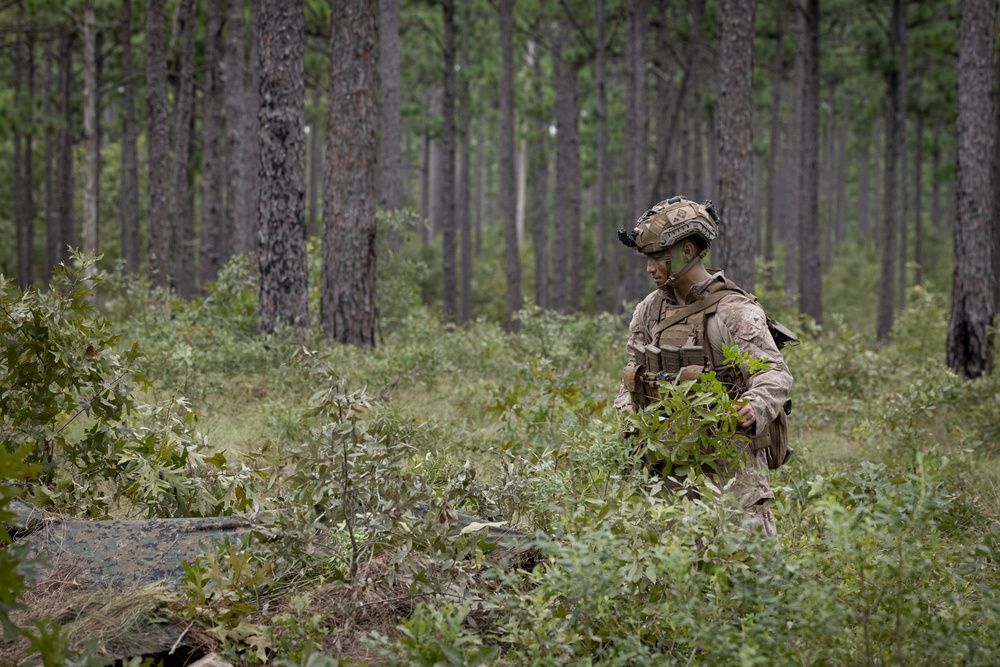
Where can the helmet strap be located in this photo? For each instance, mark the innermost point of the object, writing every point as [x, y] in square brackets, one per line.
[669, 282]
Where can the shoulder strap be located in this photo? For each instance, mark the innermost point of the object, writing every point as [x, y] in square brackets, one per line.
[705, 302]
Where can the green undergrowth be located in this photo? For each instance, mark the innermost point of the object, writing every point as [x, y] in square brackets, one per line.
[359, 460]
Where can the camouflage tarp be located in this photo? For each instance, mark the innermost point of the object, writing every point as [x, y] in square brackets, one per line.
[121, 554]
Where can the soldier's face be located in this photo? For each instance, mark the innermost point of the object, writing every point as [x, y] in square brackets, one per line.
[658, 266]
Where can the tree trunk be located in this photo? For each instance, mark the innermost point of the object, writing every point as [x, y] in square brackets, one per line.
[67, 231]
[20, 215]
[840, 189]
[810, 284]
[605, 254]
[736, 249]
[390, 109]
[480, 188]
[52, 230]
[970, 342]
[558, 298]
[449, 269]
[508, 195]
[29, 169]
[893, 138]
[773, 180]
[90, 148]
[463, 205]
[864, 190]
[903, 162]
[240, 211]
[636, 155]
[213, 164]
[918, 201]
[161, 223]
[281, 235]
[793, 164]
[315, 164]
[128, 206]
[347, 305]
[182, 244]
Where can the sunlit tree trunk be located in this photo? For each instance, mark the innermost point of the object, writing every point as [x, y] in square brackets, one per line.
[347, 302]
[970, 342]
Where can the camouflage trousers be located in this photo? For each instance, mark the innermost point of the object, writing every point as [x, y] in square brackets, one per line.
[760, 520]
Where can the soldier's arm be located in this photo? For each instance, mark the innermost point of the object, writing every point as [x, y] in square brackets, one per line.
[769, 388]
[637, 336]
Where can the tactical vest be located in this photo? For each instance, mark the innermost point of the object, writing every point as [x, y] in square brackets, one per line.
[686, 342]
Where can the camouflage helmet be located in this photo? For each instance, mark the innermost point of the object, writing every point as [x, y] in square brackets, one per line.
[670, 221]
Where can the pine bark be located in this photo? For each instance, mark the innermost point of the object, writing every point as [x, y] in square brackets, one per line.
[773, 179]
[281, 236]
[447, 191]
[810, 284]
[736, 246]
[864, 190]
[19, 184]
[918, 201]
[213, 164]
[347, 302]
[893, 139]
[50, 150]
[970, 341]
[182, 244]
[463, 194]
[508, 194]
[605, 292]
[241, 212]
[636, 140]
[161, 223]
[315, 165]
[28, 255]
[90, 148]
[390, 108]
[128, 205]
[539, 165]
[65, 196]
[793, 164]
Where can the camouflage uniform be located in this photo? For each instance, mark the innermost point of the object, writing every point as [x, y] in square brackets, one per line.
[767, 392]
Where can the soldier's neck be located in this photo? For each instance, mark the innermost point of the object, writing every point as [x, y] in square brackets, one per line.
[683, 283]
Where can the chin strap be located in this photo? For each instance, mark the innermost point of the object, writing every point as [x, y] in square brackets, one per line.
[669, 282]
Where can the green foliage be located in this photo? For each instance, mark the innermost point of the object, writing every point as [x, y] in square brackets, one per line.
[434, 636]
[221, 590]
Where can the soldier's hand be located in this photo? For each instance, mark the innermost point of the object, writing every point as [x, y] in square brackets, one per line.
[747, 417]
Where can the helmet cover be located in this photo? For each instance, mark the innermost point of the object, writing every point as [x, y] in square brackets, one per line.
[668, 222]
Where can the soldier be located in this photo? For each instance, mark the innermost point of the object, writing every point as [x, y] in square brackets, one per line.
[677, 332]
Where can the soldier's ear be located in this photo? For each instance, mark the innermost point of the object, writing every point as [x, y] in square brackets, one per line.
[689, 250]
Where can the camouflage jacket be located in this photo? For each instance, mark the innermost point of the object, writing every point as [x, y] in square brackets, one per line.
[767, 391]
